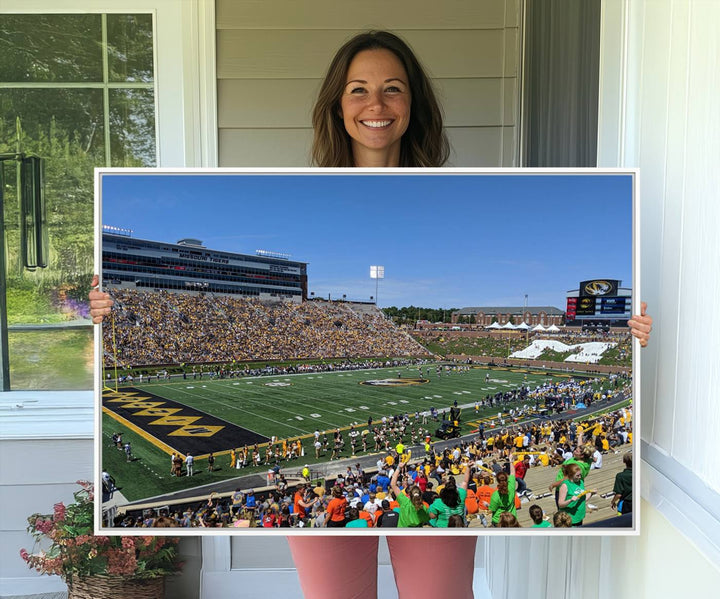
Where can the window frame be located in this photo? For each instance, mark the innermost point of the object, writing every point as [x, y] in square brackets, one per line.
[186, 136]
[185, 30]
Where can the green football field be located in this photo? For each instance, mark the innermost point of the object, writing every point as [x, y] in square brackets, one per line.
[206, 415]
[296, 405]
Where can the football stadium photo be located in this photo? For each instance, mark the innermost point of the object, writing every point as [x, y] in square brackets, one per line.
[307, 350]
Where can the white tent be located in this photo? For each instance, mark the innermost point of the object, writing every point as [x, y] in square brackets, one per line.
[494, 325]
[509, 325]
[523, 325]
[553, 329]
[538, 327]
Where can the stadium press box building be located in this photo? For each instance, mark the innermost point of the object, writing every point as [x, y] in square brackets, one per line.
[188, 266]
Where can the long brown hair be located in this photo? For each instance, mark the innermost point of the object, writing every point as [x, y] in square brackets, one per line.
[502, 483]
[507, 520]
[415, 495]
[449, 494]
[423, 144]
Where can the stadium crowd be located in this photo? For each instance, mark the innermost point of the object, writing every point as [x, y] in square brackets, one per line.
[170, 328]
[399, 430]
[475, 483]
[244, 370]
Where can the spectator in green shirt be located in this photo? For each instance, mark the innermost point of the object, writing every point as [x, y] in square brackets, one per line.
[503, 500]
[623, 486]
[451, 501]
[572, 496]
[537, 515]
[413, 512]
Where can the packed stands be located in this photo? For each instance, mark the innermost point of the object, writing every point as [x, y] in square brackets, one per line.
[157, 328]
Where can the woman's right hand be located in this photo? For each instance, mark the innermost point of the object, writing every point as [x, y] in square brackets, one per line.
[100, 302]
[641, 325]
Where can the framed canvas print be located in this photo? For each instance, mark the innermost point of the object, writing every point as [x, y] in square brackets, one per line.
[305, 351]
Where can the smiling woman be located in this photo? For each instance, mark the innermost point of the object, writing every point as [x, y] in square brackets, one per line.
[377, 108]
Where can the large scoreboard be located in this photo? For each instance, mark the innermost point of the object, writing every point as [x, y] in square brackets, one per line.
[599, 299]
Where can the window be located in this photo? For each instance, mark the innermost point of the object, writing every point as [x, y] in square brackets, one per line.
[77, 90]
[561, 61]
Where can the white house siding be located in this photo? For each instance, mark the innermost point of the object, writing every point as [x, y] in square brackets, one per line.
[271, 57]
[659, 84]
[45, 447]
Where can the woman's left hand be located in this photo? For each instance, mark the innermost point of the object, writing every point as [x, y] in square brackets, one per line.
[100, 302]
[641, 325]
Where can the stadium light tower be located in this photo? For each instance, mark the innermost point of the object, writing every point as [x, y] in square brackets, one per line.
[377, 273]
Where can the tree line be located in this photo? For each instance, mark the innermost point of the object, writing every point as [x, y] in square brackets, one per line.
[411, 314]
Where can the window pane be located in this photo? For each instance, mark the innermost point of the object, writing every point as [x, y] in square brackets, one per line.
[65, 127]
[53, 120]
[132, 127]
[54, 359]
[130, 48]
[38, 48]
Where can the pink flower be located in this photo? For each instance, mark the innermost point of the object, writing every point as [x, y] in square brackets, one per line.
[128, 543]
[52, 566]
[25, 555]
[59, 512]
[121, 562]
[82, 539]
[43, 526]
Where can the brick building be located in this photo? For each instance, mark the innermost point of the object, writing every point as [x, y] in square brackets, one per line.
[531, 315]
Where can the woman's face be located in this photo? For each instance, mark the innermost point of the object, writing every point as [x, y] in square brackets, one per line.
[375, 107]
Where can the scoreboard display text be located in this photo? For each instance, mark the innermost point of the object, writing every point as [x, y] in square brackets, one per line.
[598, 307]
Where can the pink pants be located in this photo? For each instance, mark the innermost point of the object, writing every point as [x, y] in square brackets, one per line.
[425, 566]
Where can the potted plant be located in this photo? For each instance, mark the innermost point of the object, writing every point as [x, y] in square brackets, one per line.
[96, 567]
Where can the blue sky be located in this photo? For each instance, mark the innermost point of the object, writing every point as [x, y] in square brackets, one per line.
[445, 240]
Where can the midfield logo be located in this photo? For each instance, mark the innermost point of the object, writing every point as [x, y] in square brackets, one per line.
[394, 382]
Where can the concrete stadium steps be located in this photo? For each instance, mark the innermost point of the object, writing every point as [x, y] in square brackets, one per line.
[539, 479]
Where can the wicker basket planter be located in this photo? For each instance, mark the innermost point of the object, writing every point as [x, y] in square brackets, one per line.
[116, 587]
